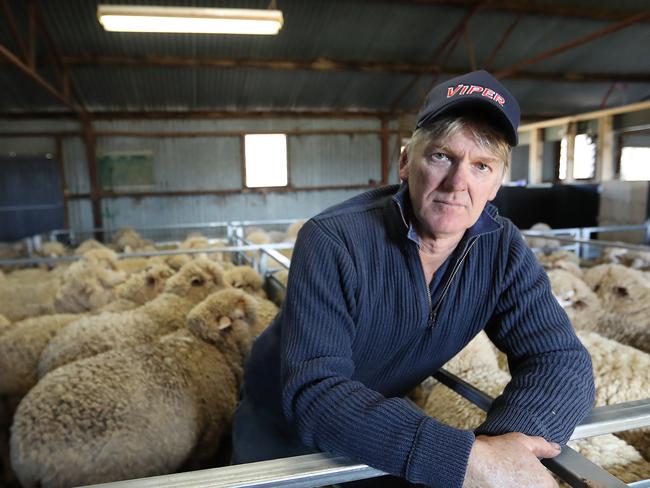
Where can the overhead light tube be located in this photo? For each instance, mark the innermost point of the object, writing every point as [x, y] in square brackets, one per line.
[143, 18]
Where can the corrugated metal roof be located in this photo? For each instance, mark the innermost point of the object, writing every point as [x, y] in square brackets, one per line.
[379, 31]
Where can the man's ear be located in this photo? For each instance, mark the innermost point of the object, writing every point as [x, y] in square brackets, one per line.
[403, 164]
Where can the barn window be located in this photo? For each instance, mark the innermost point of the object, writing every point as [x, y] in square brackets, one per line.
[266, 160]
[635, 164]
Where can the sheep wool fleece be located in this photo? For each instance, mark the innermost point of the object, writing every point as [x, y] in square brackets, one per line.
[359, 328]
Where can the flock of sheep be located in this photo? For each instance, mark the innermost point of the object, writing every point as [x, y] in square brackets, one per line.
[117, 369]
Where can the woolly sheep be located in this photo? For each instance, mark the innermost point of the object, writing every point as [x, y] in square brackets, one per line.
[5, 324]
[542, 242]
[88, 245]
[166, 313]
[128, 240]
[22, 298]
[140, 411]
[20, 349]
[197, 241]
[565, 260]
[89, 283]
[294, 228]
[610, 452]
[624, 292]
[52, 249]
[245, 278]
[621, 374]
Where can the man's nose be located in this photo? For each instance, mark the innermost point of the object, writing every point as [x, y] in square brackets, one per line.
[456, 179]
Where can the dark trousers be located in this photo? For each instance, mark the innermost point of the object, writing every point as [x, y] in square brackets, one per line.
[256, 437]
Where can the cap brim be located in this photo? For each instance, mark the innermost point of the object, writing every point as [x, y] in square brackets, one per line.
[479, 107]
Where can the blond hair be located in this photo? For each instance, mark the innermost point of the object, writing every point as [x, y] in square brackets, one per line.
[483, 133]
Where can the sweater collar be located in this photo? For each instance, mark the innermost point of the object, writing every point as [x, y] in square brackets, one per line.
[485, 224]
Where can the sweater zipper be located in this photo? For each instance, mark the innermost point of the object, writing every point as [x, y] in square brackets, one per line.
[433, 312]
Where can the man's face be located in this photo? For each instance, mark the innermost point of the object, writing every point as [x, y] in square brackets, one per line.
[450, 181]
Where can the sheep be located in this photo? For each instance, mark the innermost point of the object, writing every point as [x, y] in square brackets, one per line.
[52, 249]
[621, 374]
[88, 245]
[5, 324]
[139, 288]
[128, 240]
[294, 228]
[22, 298]
[92, 335]
[544, 243]
[246, 278]
[565, 260]
[89, 283]
[20, 349]
[624, 293]
[139, 411]
[608, 451]
[197, 241]
[174, 261]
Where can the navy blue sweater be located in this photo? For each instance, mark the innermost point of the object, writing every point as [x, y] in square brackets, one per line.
[359, 328]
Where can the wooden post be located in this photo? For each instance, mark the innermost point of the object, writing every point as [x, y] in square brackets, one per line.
[571, 132]
[535, 154]
[605, 149]
[91, 161]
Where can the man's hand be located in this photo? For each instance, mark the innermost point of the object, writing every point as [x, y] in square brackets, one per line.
[510, 461]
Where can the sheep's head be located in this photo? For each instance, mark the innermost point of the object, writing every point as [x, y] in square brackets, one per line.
[225, 317]
[578, 300]
[616, 283]
[245, 278]
[146, 285]
[196, 280]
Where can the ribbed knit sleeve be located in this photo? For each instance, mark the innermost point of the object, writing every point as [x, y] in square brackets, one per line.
[329, 410]
[552, 385]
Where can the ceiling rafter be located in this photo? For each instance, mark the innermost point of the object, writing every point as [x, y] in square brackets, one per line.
[321, 64]
[531, 8]
[610, 29]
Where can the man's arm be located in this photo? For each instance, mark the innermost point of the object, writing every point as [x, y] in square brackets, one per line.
[552, 385]
[329, 410]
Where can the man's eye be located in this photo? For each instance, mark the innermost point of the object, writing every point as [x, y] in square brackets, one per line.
[482, 167]
[438, 156]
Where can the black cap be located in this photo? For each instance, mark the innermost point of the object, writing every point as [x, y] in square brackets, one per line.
[478, 92]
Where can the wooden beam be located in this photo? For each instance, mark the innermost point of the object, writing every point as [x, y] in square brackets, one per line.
[446, 45]
[502, 41]
[605, 149]
[530, 8]
[245, 191]
[24, 51]
[91, 162]
[88, 59]
[633, 107]
[506, 72]
[16, 61]
[571, 132]
[62, 183]
[535, 157]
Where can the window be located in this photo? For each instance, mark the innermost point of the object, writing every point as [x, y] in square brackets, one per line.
[266, 160]
[584, 157]
[635, 163]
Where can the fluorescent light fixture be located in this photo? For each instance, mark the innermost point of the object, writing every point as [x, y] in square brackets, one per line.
[144, 18]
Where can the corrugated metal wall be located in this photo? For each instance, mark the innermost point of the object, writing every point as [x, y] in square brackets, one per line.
[214, 163]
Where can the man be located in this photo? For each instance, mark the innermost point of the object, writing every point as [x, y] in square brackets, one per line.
[388, 286]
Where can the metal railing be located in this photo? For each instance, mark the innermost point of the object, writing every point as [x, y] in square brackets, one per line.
[324, 469]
